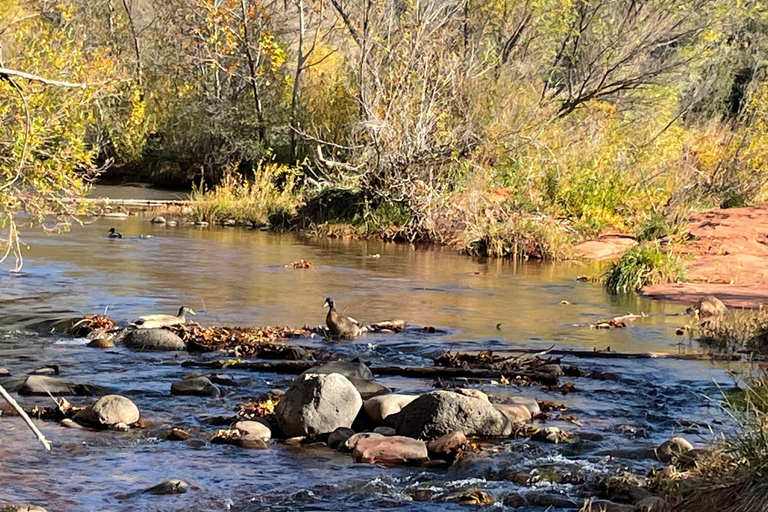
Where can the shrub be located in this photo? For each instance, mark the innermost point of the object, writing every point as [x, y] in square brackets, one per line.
[643, 265]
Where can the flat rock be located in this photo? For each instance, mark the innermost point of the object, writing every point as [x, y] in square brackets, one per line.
[349, 444]
[255, 429]
[41, 385]
[153, 339]
[390, 450]
[195, 386]
[4, 372]
[442, 412]
[516, 414]
[108, 411]
[348, 370]
[318, 404]
[379, 408]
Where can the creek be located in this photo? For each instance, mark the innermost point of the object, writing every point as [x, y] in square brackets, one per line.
[239, 277]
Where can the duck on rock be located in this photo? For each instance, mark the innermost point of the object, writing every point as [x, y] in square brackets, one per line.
[338, 325]
[156, 321]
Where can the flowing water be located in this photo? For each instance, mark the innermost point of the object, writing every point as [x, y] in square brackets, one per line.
[233, 276]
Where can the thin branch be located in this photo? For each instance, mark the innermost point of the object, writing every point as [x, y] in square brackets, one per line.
[5, 72]
[25, 417]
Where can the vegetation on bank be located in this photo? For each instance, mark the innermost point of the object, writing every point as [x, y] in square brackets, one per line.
[509, 127]
[643, 265]
[745, 330]
[732, 477]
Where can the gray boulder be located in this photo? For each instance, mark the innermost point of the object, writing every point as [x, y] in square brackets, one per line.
[348, 370]
[108, 411]
[442, 412]
[318, 404]
[368, 388]
[153, 339]
[195, 386]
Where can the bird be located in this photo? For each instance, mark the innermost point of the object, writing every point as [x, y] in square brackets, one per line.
[114, 234]
[340, 326]
[156, 321]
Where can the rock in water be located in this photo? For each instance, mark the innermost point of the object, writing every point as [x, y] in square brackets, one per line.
[709, 306]
[339, 436]
[254, 428]
[348, 370]
[195, 386]
[41, 385]
[318, 404]
[390, 450]
[673, 448]
[379, 408]
[516, 414]
[153, 339]
[108, 411]
[168, 487]
[442, 412]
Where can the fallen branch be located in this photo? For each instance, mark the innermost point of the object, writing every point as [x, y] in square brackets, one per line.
[297, 367]
[25, 417]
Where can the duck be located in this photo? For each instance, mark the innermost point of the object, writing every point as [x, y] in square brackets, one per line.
[340, 326]
[114, 234]
[156, 321]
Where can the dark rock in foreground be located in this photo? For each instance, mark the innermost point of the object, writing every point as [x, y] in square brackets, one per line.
[442, 412]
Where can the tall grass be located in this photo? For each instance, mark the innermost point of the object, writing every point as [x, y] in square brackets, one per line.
[741, 331]
[643, 265]
[273, 195]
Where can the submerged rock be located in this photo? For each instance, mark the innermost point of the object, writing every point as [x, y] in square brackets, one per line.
[390, 450]
[672, 449]
[442, 412]
[153, 339]
[168, 487]
[109, 411]
[318, 404]
[379, 408]
[195, 386]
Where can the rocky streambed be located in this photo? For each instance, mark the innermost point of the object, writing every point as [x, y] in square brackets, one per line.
[147, 424]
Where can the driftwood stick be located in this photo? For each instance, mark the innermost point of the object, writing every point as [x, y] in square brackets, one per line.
[628, 355]
[297, 367]
[25, 417]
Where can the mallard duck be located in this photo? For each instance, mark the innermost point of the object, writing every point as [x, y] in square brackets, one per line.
[156, 321]
[114, 234]
[341, 326]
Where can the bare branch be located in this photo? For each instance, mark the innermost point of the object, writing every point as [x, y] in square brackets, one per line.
[5, 72]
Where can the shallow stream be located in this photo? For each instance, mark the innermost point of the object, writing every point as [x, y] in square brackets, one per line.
[233, 276]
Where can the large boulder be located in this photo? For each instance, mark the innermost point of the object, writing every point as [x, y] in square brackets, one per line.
[153, 339]
[379, 408]
[348, 370]
[108, 411]
[442, 412]
[318, 404]
[390, 450]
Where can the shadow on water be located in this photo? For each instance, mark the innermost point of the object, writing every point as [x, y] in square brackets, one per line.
[239, 277]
